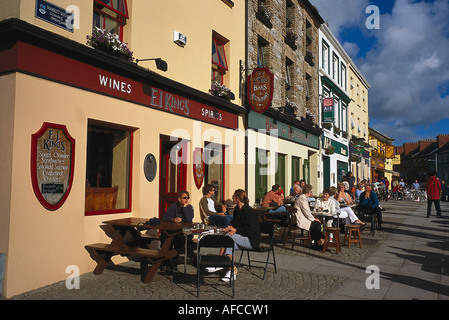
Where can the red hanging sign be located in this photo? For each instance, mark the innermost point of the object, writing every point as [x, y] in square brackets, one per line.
[198, 167]
[52, 164]
[260, 89]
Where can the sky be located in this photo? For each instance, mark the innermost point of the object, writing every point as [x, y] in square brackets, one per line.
[405, 60]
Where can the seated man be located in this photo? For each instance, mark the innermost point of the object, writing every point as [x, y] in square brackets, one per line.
[181, 211]
[207, 204]
[271, 199]
[368, 201]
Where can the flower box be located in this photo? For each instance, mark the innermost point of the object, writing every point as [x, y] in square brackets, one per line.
[109, 43]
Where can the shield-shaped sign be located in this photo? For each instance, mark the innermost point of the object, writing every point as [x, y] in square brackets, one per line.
[260, 89]
[198, 167]
[52, 164]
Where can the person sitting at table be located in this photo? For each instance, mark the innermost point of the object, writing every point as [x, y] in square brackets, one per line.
[304, 218]
[292, 189]
[368, 201]
[345, 212]
[245, 229]
[359, 190]
[326, 204]
[207, 204]
[342, 195]
[181, 211]
[271, 199]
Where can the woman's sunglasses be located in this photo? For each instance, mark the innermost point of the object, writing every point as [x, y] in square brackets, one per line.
[185, 197]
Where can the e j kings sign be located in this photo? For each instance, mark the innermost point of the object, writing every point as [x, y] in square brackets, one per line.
[52, 160]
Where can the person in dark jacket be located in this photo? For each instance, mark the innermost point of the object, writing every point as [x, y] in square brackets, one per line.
[433, 189]
[245, 230]
[181, 211]
[368, 201]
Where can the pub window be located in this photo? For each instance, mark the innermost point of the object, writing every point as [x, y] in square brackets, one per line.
[219, 62]
[108, 169]
[343, 76]
[262, 52]
[288, 75]
[111, 15]
[214, 168]
[335, 68]
[325, 57]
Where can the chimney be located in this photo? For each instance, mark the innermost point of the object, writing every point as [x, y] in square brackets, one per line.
[425, 143]
[409, 147]
[399, 150]
[442, 139]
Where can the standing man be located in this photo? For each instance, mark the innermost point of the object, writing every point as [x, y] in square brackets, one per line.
[433, 189]
[351, 181]
[387, 185]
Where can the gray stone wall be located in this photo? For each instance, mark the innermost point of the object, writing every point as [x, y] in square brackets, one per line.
[287, 17]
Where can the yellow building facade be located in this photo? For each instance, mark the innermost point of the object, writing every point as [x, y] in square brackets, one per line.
[77, 120]
[358, 123]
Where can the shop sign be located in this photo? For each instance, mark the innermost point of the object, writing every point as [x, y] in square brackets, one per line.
[47, 64]
[359, 148]
[260, 89]
[198, 167]
[389, 152]
[328, 110]
[269, 126]
[52, 164]
[55, 15]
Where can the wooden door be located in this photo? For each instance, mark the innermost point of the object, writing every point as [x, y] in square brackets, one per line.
[173, 173]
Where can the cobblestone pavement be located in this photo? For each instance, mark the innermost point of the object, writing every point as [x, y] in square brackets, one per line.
[292, 281]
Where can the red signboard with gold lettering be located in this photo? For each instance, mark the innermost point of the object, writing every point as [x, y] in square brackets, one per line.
[260, 89]
[52, 163]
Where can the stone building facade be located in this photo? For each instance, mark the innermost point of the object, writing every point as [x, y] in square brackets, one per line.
[283, 36]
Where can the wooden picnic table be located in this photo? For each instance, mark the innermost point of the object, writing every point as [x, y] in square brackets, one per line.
[136, 247]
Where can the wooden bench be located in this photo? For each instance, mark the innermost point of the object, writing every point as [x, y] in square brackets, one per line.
[102, 254]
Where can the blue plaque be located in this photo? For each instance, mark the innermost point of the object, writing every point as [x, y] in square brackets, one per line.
[55, 15]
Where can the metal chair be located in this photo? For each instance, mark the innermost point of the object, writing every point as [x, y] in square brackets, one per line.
[215, 260]
[268, 229]
[293, 226]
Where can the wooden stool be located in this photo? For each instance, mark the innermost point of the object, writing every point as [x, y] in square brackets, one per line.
[352, 234]
[336, 243]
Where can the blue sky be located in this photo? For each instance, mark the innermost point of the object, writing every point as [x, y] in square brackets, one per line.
[406, 62]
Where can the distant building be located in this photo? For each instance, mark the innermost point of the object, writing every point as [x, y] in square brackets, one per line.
[420, 158]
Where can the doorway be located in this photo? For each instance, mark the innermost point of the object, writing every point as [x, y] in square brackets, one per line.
[173, 173]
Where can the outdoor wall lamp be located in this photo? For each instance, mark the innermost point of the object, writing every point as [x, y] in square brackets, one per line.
[160, 64]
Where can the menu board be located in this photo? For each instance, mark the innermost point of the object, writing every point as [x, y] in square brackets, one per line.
[52, 159]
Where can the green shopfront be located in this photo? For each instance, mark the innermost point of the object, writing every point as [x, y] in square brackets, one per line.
[335, 161]
[280, 150]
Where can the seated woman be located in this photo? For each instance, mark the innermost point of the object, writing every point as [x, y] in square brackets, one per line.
[304, 218]
[181, 211]
[328, 205]
[345, 212]
[245, 230]
[370, 202]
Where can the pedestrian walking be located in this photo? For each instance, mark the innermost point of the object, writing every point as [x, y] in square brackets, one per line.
[433, 189]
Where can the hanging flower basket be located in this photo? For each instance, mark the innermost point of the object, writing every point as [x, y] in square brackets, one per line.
[329, 150]
[109, 43]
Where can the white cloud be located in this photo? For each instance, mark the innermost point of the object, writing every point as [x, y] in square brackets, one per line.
[342, 14]
[408, 68]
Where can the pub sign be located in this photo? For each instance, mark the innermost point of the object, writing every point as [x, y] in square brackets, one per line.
[260, 89]
[328, 110]
[52, 164]
[198, 167]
